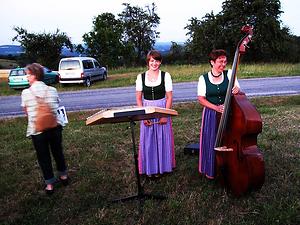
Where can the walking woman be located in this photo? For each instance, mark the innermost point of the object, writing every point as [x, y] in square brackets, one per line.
[48, 141]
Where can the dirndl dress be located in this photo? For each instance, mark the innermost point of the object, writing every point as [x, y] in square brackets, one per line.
[156, 147]
[208, 134]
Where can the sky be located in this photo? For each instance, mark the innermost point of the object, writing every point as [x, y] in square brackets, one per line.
[75, 18]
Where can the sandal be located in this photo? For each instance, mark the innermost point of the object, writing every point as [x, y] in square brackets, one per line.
[49, 189]
[64, 180]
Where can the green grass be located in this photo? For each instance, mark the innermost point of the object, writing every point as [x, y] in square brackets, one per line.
[101, 168]
[8, 64]
[180, 73]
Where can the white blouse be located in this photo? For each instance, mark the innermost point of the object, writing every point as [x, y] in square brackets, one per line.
[29, 101]
[202, 86]
[168, 82]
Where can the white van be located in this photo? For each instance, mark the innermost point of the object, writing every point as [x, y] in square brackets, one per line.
[80, 70]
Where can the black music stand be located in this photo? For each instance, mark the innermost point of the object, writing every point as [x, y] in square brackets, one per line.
[141, 195]
[130, 116]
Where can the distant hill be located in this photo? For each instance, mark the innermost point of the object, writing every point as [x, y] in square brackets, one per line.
[11, 50]
[14, 50]
[163, 47]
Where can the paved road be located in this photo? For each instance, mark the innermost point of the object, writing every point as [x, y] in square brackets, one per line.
[183, 92]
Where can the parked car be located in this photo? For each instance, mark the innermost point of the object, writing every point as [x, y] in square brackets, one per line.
[80, 70]
[17, 78]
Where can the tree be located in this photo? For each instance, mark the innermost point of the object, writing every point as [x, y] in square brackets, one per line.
[176, 54]
[204, 36]
[104, 42]
[223, 30]
[79, 48]
[264, 16]
[44, 48]
[140, 28]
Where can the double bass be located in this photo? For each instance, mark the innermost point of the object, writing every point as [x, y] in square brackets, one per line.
[239, 162]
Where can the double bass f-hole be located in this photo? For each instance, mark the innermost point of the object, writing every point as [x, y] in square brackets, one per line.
[239, 153]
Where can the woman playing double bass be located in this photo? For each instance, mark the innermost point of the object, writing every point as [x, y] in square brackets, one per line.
[212, 88]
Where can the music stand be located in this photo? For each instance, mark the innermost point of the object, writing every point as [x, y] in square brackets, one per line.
[131, 115]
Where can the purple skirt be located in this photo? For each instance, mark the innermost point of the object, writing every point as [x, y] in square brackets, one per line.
[156, 147]
[208, 133]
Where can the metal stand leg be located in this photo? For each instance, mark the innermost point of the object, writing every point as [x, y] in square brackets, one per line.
[141, 195]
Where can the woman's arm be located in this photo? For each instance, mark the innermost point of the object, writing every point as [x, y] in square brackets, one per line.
[236, 88]
[138, 96]
[169, 99]
[203, 101]
[25, 110]
[139, 102]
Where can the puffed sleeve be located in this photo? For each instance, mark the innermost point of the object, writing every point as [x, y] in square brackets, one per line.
[168, 82]
[201, 90]
[23, 99]
[236, 82]
[139, 83]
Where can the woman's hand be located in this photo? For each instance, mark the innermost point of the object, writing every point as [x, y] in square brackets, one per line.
[220, 108]
[147, 122]
[163, 120]
[235, 90]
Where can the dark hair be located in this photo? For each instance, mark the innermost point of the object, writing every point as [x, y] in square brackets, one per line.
[216, 53]
[155, 55]
[36, 70]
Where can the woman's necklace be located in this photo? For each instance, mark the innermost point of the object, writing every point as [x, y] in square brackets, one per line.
[216, 75]
[152, 77]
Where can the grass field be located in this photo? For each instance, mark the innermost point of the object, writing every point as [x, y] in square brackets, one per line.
[180, 73]
[101, 168]
[8, 64]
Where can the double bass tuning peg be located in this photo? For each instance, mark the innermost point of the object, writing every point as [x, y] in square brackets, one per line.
[244, 44]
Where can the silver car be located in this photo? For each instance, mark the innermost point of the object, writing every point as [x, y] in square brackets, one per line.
[83, 70]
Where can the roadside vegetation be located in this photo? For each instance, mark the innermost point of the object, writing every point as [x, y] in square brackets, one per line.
[180, 73]
[101, 168]
[8, 64]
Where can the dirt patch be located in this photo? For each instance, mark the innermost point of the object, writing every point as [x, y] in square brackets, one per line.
[4, 73]
[117, 76]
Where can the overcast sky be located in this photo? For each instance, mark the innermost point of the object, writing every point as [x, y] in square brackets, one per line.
[75, 17]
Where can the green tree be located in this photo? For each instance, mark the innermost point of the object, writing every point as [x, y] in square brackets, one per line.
[176, 54]
[140, 28]
[264, 16]
[104, 42]
[223, 30]
[204, 36]
[44, 48]
[292, 52]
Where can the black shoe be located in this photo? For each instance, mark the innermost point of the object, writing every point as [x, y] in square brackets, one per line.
[64, 182]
